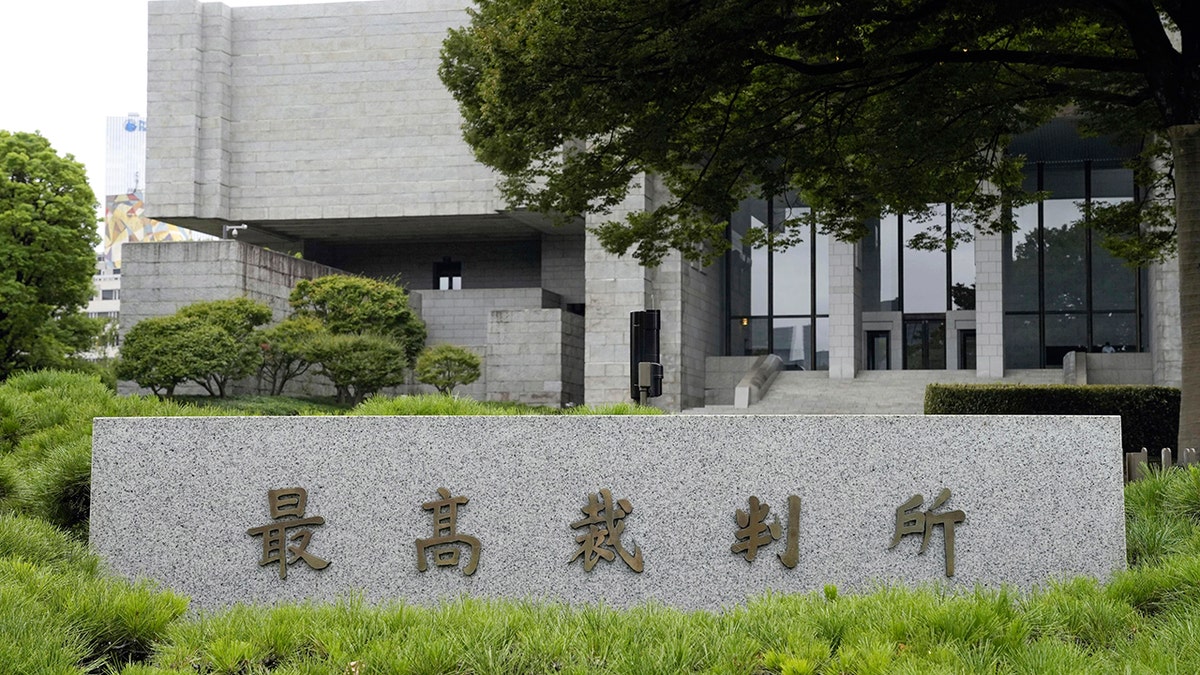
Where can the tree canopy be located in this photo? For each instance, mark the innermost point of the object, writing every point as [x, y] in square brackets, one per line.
[47, 235]
[861, 107]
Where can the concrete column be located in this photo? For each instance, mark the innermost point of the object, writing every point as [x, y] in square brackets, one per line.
[614, 286]
[213, 156]
[845, 310]
[989, 305]
[174, 100]
[1165, 339]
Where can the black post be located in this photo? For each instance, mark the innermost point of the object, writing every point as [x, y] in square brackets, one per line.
[644, 327]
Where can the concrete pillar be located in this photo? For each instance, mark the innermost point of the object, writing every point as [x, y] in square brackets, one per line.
[989, 305]
[1165, 339]
[845, 310]
[614, 286]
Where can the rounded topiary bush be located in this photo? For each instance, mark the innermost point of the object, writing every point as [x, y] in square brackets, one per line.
[446, 366]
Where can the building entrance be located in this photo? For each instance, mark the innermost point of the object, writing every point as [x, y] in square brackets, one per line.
[925, 342]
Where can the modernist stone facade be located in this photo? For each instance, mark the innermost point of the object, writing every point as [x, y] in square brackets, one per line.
[325, 129]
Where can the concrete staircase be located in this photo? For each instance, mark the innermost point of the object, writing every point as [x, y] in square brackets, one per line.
[872, 392]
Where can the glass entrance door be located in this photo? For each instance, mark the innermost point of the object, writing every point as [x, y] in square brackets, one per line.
[925, 342]
[879, 348]
[966, 350]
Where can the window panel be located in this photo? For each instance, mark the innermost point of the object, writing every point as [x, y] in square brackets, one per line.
[1064, 247]
[1021, 261]
[924, 271]
[1021, 345]
[1118, 330]
[793, 342]
[962, 272]
[881, 266]
[748, 336]
[1114, 284]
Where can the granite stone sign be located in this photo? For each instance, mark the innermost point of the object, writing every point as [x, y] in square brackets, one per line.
[691, 511]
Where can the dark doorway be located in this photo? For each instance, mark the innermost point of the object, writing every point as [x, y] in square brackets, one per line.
[966, 350]
[925, 342]
[879, 349]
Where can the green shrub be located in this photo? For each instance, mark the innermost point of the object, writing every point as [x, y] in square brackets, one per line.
[446, 366]
[117, 622]
[36, 638]
[622, 408]
[163, 352]
[433, 404]
[436, 404]
[1149, 415]
[358, 365]
[279, 406]
[238, 318]
[348, 305]
[283, 348]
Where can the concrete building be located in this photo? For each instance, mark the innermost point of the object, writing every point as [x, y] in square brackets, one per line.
[325, 130]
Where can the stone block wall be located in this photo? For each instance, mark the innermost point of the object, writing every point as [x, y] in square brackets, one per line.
[1166, 337]
[535, 356]
[845, 310]
[702, 329]
[462, 317]
[159, 278]
[614, 287]
[562, 266]
[1127, 368]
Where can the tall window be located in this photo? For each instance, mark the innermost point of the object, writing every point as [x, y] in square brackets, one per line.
[1062, 291]
[917, 281]
[922, 284]
[778, 298]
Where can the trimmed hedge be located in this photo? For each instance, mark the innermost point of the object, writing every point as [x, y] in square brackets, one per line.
[1149, 415]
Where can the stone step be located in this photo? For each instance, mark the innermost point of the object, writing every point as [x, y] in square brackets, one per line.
[870, 393]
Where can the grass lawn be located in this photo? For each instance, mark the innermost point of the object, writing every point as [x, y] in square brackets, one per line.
[60, 612]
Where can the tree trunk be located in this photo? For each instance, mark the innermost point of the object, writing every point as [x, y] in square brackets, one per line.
[1185, 146]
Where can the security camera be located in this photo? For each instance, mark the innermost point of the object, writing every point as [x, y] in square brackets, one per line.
[231, 231]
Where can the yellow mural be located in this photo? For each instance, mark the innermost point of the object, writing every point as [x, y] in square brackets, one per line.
[125, 222]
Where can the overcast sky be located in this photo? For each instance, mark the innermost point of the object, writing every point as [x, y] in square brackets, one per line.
[69, 64]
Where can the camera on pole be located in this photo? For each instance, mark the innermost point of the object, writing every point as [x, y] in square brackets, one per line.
[645, 367]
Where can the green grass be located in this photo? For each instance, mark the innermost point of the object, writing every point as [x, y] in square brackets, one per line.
[60, 612]
[266, 405]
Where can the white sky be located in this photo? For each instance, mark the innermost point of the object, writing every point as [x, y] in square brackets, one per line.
[70, 64]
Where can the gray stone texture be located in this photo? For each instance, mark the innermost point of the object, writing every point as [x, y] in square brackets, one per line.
[159, 278]
[173, 498]
[461, 317]
[535, 356]
[306, 112]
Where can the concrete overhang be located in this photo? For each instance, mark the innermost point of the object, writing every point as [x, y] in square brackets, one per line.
[502, 225]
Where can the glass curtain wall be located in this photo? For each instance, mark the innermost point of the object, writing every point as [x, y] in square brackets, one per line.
[778, 298]
[923, 285]
[1062, 291]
